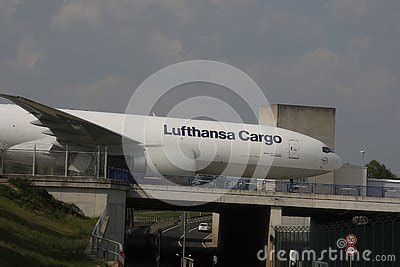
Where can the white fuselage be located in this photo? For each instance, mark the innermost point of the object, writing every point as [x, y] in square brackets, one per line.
[182, 146]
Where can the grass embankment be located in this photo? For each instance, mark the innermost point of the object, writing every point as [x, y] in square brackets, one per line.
[38, 230]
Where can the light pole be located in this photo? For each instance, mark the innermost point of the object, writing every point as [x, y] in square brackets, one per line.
[184, 215]
[362, 164]
[363, 158]
[159, 247]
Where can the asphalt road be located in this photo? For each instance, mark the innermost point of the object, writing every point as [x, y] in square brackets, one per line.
[140, 253]
[194, 238]
[172, 240]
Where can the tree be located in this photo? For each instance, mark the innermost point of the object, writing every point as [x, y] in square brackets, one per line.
[379, 171]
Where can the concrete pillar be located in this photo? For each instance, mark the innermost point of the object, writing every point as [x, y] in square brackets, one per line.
[275, 220]
[115, 229]
[215, 230]
[268, 115]
[243, 233]
[116, 205]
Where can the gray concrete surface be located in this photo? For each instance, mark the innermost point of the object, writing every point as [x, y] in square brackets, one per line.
[317, 122]
[91, 196]
[267, 198]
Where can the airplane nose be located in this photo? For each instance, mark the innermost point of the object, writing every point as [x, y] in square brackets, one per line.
[338, 162]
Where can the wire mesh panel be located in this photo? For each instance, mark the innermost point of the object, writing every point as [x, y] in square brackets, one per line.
[53, 163]
[18, 162]
[102, 167]
[50, 163]
[85, 164]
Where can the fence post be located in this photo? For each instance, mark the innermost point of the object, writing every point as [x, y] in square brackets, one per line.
[34, 160]
[98, 163]
[116, 255]
[66, 161]
[2, 160]
[105, 161]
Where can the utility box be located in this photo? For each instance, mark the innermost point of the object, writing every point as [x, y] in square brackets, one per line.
[317, 122]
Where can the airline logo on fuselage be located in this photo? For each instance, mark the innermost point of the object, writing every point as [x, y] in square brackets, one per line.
[243, 135]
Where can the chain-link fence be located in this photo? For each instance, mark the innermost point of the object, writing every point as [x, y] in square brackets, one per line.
[66, 163]
[377, 242]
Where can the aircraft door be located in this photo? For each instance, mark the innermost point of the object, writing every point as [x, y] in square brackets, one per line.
[294, 152]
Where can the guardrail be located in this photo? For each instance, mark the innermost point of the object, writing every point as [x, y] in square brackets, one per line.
[98, 239]
[165, 223]
[246, 184]
[168, 222]
[146, 219]
[337, 189]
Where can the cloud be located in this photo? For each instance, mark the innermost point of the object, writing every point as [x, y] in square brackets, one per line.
[169, 50]
[26, 54]
[8, 8]
[323, 77]
[75, 13]
[344, 8]
[234, 3]
[103, 94]
[337, 53]
[378, 82]
[319, 59]
[95, 12]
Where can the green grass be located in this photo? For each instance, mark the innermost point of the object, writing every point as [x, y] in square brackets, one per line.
[37, 230]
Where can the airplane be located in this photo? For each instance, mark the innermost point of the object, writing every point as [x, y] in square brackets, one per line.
[168, 146]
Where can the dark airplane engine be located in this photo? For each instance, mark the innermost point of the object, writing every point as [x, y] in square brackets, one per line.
[171, 160]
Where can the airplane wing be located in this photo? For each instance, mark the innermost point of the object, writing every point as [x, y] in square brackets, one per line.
[70, 129]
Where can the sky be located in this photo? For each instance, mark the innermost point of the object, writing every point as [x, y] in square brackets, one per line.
[93, 54]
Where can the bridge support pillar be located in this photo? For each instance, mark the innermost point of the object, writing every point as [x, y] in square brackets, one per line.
[116, 206]
[243, 233]
[275, 220]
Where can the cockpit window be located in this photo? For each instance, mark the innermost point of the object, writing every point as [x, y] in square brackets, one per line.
[326, 149]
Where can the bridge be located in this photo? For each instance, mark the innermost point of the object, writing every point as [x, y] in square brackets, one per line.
[238, 209]
[242, 204]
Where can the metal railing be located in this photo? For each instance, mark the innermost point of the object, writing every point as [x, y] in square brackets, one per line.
[337, 189]
[70, 163]
[99, 242]
[146, 219]
[67, 163]
[246, 184]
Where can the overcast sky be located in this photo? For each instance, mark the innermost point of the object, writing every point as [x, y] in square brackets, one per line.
[93, 54]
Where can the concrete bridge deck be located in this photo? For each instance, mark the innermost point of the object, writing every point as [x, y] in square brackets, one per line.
[93, 188]
[265, 198]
